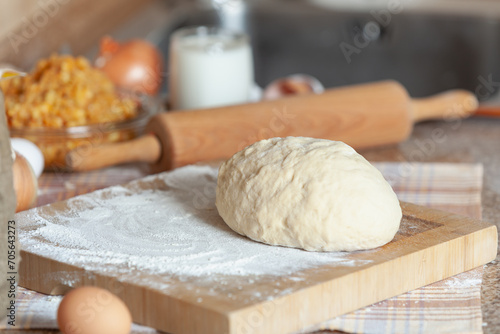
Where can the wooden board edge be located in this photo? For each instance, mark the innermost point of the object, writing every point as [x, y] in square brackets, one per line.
[38, 273]
[480, 246]
[62, 277]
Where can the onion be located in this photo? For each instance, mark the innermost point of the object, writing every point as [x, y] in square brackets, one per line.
[136, 65]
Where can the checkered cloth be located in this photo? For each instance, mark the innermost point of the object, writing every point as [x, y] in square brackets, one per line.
[449, 306]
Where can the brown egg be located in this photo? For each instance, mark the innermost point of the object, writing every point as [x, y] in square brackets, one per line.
[92, 310]
[296, 84]
[25, 183]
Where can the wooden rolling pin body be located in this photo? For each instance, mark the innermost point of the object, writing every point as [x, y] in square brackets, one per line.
[361, 116]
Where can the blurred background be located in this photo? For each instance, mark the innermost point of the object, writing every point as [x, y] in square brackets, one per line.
[429, 46]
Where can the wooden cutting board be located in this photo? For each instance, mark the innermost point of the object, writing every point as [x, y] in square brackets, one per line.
[431, 245]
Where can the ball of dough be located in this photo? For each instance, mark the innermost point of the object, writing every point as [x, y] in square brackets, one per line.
[314, 194]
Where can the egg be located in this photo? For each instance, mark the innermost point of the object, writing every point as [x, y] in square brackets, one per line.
[292, 85]
[25, 183]
[31, 152]
[92, 310]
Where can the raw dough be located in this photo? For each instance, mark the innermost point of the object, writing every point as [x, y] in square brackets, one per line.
[315, 194]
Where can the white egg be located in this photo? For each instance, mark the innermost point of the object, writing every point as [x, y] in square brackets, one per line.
[31, 152]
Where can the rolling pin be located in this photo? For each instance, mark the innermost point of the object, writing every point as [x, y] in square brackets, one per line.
[362, 116]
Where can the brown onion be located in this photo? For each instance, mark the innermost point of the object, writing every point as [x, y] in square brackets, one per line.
[136, 65]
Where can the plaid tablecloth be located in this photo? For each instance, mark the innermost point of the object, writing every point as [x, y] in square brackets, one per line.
[450, 306]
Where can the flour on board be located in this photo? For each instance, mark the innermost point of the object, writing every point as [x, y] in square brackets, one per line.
[162, 224]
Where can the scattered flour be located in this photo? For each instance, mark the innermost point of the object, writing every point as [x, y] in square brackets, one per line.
[470, 279]
[165, 224]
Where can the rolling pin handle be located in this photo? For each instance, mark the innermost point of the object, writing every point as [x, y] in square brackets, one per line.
[143, 149]
[448, 105]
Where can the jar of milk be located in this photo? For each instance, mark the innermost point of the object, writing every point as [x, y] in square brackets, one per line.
[209, 67]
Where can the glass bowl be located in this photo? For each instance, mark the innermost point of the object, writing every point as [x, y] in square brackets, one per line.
[56, 143]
